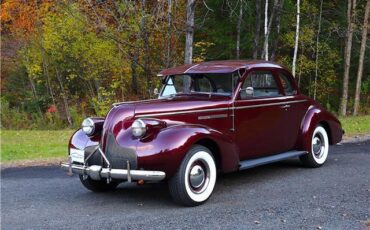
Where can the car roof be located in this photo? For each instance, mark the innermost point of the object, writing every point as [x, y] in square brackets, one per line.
[222, 66]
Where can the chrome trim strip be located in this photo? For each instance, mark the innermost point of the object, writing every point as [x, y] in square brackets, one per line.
[181, 112]
[269, 104]
[218, 109]
[215, 116]
[132, 102]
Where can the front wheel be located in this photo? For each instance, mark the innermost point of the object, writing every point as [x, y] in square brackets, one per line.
[319, 149]
[195, 180]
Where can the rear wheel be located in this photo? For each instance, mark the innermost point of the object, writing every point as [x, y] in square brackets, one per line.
[319, 149]
[98, 185]
[195, 180]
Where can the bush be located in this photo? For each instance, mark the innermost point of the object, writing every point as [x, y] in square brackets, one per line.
[15, 118]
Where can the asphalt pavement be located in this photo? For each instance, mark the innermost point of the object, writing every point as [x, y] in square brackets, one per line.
[283, 195]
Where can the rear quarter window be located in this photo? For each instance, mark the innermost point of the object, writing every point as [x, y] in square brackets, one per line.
[287, 84]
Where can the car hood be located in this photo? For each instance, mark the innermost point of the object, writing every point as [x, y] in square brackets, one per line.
[121, 116]
[176, 104]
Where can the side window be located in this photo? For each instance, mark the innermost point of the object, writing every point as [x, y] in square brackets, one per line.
[287, 84]
[259, 84]
[204, 85]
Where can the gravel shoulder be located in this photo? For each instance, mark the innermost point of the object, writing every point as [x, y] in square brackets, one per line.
[278, 196]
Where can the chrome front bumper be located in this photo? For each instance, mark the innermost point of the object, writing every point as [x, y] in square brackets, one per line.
[97, 172]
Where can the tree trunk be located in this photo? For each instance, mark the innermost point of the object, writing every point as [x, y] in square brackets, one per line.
[169, 34]
[34, 93]
[278, 17]
[135, 59]
[317, 53]
[145, 38]
[300, 68]
[361, 59]
[265, 52]
[258, 29]
[45, 67]
[35, 97]
[347, 55]
[91, 88]
[190, 10]
[64, 97]
[266, 44]
[296, 38]
[240, 18]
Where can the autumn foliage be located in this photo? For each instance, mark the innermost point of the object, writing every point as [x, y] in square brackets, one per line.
[63, 60]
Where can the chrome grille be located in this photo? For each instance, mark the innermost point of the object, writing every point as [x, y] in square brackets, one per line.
[118, 155]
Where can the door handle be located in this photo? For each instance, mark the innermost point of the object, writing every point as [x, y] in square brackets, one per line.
[285, 106]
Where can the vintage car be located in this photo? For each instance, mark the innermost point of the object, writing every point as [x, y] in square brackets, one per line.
[210, 118]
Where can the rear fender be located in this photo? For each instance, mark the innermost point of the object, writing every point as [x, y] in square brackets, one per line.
[313, 117]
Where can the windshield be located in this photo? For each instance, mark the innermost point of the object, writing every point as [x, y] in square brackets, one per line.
[222, 84]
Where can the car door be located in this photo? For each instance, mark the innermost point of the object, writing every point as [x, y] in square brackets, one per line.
[260, 117]
[295, 107]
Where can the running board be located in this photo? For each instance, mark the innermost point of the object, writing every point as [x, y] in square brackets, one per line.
[270, 159]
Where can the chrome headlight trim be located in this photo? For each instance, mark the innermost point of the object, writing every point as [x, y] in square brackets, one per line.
[138, 128]
[88, 126]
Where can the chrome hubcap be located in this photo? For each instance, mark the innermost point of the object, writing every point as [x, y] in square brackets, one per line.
[197, 176]
[318, 145]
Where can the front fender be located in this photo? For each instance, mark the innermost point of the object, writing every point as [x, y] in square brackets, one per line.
[166, 150]
[79, 140]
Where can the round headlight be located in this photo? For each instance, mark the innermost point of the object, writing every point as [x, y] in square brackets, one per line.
[88, 126]
[138, 128]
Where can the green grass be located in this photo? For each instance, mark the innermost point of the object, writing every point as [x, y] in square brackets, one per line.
[356, 125]
[31, 145]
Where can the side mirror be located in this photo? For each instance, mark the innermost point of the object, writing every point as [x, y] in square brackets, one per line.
[249, 91]
[155, 91]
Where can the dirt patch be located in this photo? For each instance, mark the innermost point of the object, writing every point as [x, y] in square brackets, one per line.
[355, 138]
[29, 163]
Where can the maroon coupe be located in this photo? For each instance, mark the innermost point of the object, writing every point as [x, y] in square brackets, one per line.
[209, 118]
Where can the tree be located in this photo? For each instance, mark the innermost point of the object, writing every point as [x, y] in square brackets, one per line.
[278, 17]
[190, 11]
[265, 52]
[238, 27]
[296, 38]
[361, 58]
[266, 44]
[258, 29]
[169, 34]
[351, 11]
[317, 52]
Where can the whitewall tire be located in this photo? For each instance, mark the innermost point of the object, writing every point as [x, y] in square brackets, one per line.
[195, 180]
[319, 148]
